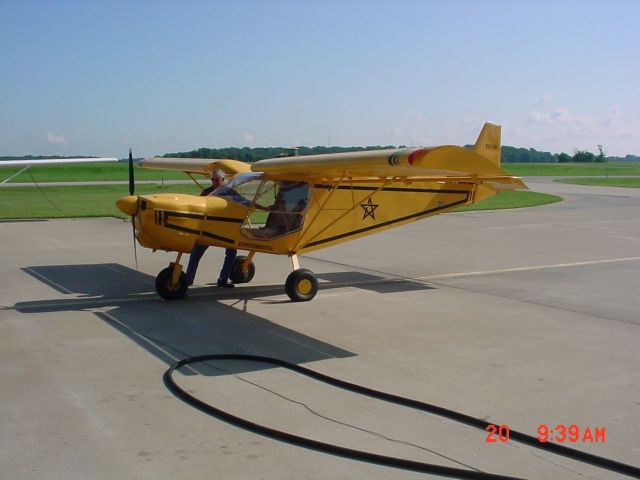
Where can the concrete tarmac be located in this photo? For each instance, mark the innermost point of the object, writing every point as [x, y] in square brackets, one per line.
[522, 317]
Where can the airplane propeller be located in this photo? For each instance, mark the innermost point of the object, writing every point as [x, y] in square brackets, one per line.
[132, 185]
[132, 188]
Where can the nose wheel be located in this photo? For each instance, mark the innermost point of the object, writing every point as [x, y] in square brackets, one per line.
[171, 282]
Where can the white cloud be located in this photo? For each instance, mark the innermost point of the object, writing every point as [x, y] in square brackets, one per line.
[563, 121]
[544, 98]
[521, 136]
[396, 132]
[562, 114]
[471, 119]
[626, 133]
[55, 139]
[420, 140]
[559, 115]
[248, 137]
[536, 116]
[418, 117]
[558, 128]
[614, 114]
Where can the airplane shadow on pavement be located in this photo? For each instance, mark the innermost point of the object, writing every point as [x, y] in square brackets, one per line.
[200, 324]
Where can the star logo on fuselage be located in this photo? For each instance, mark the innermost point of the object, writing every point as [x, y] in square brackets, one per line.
[369, 209]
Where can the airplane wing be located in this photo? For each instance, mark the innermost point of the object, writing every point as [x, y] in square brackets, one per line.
[479, 164]
[26, 164]
[52, 161]
[202, 166]
[448, 163]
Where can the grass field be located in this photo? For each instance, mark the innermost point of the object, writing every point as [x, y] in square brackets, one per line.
[512, 200]
[91, 172]
[604, 182]
[80, 201]
[99, 201]
[571, 169]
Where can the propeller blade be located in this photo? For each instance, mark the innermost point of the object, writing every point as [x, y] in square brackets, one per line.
[132, 186]
[135, 247]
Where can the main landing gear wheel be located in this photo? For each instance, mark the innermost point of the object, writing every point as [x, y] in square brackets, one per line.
[237, 275]
[301, 285]
[166, 289]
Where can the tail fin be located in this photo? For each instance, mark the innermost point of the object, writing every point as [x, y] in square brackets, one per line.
[488, 143]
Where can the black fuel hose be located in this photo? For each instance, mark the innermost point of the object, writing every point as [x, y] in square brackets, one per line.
[394, 462]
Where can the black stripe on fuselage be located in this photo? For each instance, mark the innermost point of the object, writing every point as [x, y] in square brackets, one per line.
[197, 232]
[388, 189]
[387, 223]
[201, 216]
[166, 215]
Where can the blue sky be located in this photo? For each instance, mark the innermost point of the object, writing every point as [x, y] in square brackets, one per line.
[83, 77]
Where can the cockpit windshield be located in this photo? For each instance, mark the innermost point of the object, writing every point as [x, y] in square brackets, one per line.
[241, 189]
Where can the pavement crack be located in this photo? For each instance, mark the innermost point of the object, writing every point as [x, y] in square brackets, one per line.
[555, 464]
[344, 424]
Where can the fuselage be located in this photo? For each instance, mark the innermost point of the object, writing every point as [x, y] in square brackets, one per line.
[257, 213]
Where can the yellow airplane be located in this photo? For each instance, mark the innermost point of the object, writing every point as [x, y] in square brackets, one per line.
[293, 205]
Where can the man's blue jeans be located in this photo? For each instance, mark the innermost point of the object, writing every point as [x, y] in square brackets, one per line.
[196, 255]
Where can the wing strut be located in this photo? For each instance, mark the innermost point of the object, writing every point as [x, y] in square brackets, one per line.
[14, 176]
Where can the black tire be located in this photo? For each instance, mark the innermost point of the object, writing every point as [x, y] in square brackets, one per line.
[237, 276]
[168, 291]
[301, 285]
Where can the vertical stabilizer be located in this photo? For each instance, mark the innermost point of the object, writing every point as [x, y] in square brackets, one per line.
[488, 143]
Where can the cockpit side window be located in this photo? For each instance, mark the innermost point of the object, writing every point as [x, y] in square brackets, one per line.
[285, 203]
[266, 195]
[294, 195]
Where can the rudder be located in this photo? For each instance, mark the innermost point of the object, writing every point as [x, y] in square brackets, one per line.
[488, 143]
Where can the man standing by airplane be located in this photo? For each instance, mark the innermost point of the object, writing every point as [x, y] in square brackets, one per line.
[217, 179]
